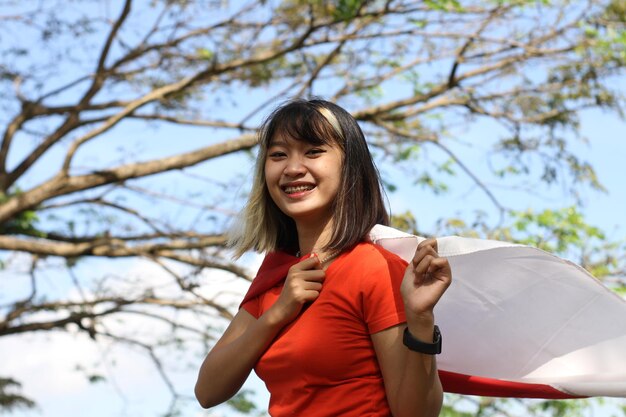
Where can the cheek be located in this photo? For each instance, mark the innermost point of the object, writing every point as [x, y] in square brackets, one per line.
[335, 170]
[270, 173]
[332, 179]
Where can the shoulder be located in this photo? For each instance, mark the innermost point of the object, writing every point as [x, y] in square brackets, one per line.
[374, 253]
[370, 257]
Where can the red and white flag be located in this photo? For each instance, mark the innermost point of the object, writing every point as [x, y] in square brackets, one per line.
[520, 322]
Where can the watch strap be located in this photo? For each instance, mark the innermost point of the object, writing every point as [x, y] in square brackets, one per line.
[416, 345]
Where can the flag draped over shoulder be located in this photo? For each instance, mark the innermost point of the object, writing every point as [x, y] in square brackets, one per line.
[516, 321]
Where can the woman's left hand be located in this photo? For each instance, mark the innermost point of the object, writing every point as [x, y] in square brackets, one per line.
[426, 279]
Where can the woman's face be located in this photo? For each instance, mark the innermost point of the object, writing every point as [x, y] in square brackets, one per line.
[303, 179]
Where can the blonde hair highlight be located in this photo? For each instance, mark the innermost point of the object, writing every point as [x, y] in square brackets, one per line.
[250, 232]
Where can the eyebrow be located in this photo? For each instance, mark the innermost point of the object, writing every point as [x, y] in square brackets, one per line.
[276, 142]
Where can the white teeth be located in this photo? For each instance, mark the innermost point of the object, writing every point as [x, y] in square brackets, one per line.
[298, 189]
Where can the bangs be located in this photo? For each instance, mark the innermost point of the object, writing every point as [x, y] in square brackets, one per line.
[301, 123]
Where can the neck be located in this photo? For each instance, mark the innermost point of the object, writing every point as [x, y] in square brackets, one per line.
[312, 237]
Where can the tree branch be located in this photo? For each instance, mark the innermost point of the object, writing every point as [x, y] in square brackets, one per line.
[63, 185]
[105, 246]
[101, 72]
[189, 122]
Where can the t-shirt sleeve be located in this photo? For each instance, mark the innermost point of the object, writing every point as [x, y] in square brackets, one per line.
[252, 306]
[382, 302]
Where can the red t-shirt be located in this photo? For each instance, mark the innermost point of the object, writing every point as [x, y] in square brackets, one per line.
[323, 364]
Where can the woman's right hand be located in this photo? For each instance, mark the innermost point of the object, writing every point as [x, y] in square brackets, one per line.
[302, 285]
[247, 337]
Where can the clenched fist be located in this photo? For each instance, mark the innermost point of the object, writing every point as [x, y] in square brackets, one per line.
[302, 285]
[426, 279]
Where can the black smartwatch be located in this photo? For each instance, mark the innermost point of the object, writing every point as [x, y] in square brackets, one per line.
[415, 345]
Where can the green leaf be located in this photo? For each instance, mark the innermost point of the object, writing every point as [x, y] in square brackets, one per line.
[346, 9]
[241, 402]
[420, 23]
[204, 53]
[9, 399]
[94, 379]
[444, 5]
[408, 152]
[405, 222]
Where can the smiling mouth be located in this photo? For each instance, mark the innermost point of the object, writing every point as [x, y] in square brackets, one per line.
[298, 188]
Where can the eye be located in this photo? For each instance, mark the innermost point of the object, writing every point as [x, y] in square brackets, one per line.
[277, 154]
[316, 151]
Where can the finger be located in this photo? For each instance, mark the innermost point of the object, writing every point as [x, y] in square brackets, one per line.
[301, 293]
[313, 275]
[421, 269]
[306, 296]
[312, 286]
[420, 253]
[431, 241]
[297, 278]
[441, 265]
[312, 262]
[311, 295]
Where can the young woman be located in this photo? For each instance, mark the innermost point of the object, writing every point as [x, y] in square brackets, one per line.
[347, 328]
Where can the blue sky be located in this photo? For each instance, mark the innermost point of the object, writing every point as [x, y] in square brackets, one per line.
[46, 363]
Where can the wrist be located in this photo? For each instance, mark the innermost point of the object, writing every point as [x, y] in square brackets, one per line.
[423, 318]
[421, 325]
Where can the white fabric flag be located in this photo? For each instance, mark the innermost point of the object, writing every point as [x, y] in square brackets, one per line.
[516, 317]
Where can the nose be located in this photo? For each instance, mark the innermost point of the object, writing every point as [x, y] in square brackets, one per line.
[294, 167]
